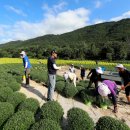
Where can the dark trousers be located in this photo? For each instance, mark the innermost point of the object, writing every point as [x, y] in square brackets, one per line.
[27, 74]
[91, 82]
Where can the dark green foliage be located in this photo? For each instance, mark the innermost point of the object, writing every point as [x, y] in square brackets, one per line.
[16, 98]
[46, 124]
[60, 85]
[30, 104]
[6, 110]
[78, 119]
[14, 86]
[5, 93]
[70, 90]
[52, 110]
[21, 120]
[109, 123]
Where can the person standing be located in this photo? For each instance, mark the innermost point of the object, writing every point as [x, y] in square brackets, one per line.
[82, 72]
[52, 68]
[72, 69]
[125, 77]
[27, 67]
[95, 76]
[109, 88]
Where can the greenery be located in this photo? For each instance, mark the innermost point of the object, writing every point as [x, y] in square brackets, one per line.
[21, 120]
[104, 41]
[70, 90]
[109, 123]
[30, 104]
[16, 98]
[52, 110]
[46, 124]
[6, 110]
[5, 93]
[78, 119]
[60, 85]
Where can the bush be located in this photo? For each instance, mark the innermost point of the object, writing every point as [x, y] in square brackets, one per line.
[60, 85]
[109, 123]
[46, 124]
[30, 104]
[70, 90]
[79, 120]
[5, 93]
[14, 86]
[16, 98]
[21, 120]
[6, 110]
[52, 110]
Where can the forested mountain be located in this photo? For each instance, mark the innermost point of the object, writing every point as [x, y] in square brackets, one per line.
[110, 40]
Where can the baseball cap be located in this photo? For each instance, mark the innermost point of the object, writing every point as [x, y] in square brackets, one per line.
[120, 66]
[103, 89]
[99, 70]
[23, 53]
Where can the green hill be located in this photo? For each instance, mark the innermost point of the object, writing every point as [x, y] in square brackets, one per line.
[109, 40]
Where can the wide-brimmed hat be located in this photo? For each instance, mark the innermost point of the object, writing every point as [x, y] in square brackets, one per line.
[99, 70]
[120, 66]
[103, 89]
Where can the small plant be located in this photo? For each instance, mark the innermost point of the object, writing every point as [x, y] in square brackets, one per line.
[60, 85]
[52, 110]
[109, 123]
[46, 124]
[21, 120]
[6, 110]
[14, 86]
[78, 119]
[30, 104]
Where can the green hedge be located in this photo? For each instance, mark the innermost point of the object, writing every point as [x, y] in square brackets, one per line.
[70, 90]
[52, 110]
[60, 85]
[30, 104]
[6, 110]
[14, 86]
[46, 124]
[78, 119]
[16, 98]
[21, 120]
[109, 123]
[5, 93]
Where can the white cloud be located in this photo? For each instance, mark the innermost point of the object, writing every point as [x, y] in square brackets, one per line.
[98, 4]
[57, 23]
[124, 15]
[97, 21]
[15, 10]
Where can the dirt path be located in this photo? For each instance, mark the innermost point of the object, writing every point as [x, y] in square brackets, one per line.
[39, 92]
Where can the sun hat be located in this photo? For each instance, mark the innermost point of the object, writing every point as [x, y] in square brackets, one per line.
[120, 66]
[99, 70]
[103, 89]
[23, 53]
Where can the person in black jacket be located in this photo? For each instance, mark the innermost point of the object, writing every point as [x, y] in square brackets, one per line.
[82, 72]
[95, 76]
[125, 76]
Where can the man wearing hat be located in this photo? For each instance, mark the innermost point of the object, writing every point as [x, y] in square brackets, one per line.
[52, 68]
[109, 88]
[125, 76]
[27, 66]
[95, 76]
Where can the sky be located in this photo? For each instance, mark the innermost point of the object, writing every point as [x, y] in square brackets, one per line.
[26, 19]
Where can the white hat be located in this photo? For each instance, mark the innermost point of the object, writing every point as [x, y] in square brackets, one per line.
[120, 66]
[103, 89]
[23, 53]
[99, 70]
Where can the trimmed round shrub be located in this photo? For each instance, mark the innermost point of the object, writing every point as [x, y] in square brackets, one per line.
[70, 90]
[30, 104]
[109, 123]
[52, 110]
[46, 124]
[6, 110]
[21, 120]
[16, 98]
[60, 85]
[5, 93]
[14, 86]
[78, 119]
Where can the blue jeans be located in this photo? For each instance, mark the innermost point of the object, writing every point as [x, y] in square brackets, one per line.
[51, 87]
